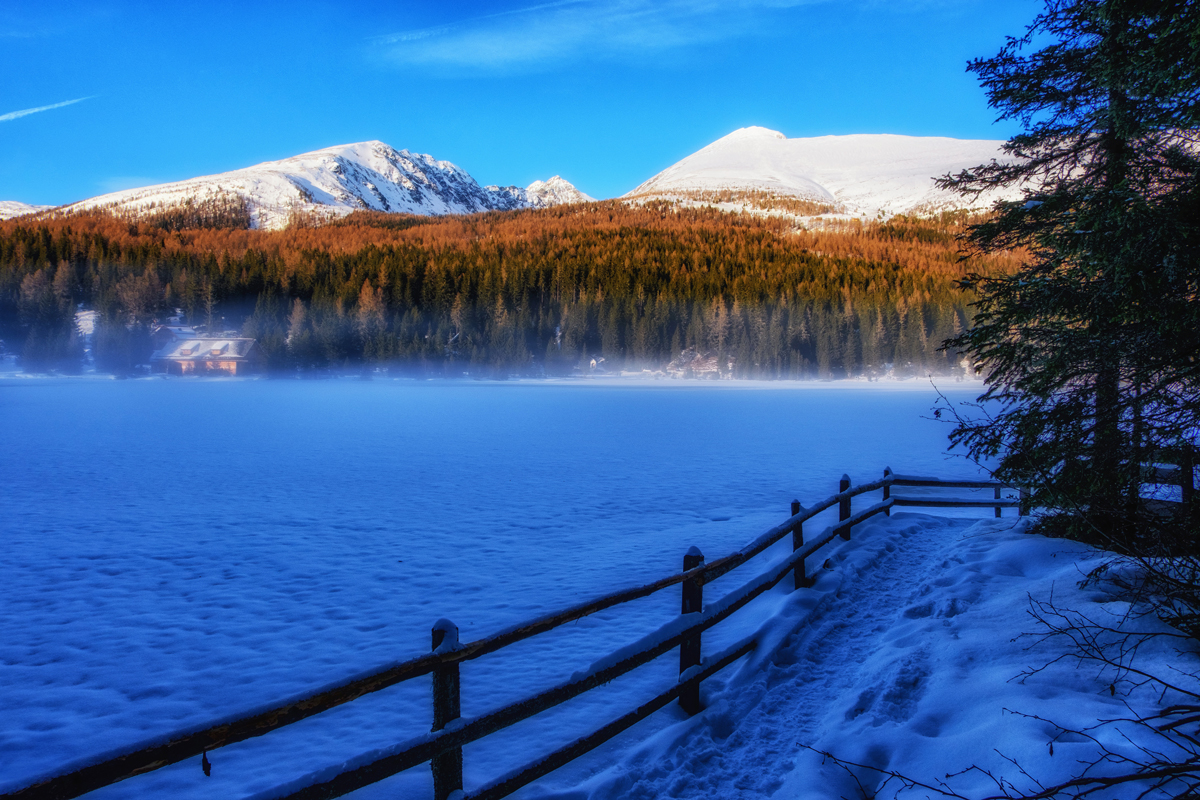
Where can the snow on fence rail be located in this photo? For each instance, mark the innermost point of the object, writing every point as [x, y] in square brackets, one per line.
[1181, 474]
[442, 747]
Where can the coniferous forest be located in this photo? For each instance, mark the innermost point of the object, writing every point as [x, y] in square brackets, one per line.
[523, 293]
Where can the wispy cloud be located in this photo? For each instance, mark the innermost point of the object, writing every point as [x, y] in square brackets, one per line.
[549, 32]
[27, 111]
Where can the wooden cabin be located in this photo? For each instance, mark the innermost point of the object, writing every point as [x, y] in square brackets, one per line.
[220, 355]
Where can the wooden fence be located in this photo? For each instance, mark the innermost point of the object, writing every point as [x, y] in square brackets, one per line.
[442, 747]
[1181, 474]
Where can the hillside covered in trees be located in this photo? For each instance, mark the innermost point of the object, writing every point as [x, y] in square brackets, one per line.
[513, 293]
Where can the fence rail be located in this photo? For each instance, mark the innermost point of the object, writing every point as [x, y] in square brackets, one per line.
[442, 747]
[1021, 501]
[1182, 475]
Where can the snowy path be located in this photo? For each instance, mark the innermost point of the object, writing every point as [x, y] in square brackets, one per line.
[902, 657]
[829, 657]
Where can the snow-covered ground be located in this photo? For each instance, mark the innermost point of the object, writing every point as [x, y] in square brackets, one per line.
[912, 654]
[180, 551]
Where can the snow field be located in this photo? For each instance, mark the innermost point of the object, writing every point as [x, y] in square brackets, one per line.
[178, 552]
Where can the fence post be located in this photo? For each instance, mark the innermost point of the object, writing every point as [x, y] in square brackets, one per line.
[447, 767]
[887, 489]
[1187, 477]
[689, 649]
[798, 574]
[997, 496]
[1025, 504]
[844, 506]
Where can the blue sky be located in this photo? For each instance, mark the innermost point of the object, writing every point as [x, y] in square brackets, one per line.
[104, 96]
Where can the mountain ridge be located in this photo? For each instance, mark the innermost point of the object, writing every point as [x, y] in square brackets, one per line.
[15, 208]
[752, 169]
[332, 182]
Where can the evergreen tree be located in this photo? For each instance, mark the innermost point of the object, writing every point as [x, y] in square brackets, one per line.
[47, 314]
[303, 350]
[267, 326]
[371, 319]
[1091, 348]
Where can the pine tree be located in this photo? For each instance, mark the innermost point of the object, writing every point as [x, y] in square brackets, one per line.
[1091, 349]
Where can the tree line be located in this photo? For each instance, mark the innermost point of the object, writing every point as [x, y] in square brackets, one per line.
[541, 292]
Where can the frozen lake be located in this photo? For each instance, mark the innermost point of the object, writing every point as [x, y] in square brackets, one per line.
[180, 550]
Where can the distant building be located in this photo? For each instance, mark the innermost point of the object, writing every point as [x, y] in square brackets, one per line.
[208, 356]
[694, 364]
[163, 335]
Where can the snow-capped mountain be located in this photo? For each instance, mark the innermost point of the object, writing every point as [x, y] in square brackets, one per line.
[862, 174]
[336, 181]
[11, 208]
[554, 192]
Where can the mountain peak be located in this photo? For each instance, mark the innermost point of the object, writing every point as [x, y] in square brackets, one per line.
[335, 181]
[553, 192]
[859, 174]
[754, 131]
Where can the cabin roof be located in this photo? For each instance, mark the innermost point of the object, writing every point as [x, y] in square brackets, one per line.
[195, 348]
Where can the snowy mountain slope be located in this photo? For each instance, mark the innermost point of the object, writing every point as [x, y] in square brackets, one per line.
[12, 208]
[862, 174]
[335, 181]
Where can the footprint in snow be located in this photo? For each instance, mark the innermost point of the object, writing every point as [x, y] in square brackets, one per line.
[895, 698]
[944, 610]
[901, 698]
[861, 705]
[919, 612]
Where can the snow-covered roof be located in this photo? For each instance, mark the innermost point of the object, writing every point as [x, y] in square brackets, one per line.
[179, 331]
[201, 349]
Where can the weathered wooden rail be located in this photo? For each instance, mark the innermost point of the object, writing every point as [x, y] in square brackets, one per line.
[1182, 475]
[442, 747]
